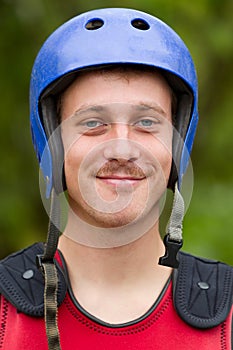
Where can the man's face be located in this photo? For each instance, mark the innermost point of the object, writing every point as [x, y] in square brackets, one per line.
[117, 136]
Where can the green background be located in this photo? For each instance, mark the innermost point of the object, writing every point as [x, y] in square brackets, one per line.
[207, 28]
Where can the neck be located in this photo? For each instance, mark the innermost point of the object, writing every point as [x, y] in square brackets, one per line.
[113, 273]
[131, 258]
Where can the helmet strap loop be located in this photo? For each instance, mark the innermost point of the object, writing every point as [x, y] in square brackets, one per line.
[46, 264]
[173, 239]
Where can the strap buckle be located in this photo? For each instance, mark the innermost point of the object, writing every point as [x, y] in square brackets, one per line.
[170, 257]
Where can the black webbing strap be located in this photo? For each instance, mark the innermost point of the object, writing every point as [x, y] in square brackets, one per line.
[50, 306]
[47, 266]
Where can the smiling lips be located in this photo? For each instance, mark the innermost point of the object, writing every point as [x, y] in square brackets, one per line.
[119, 180]
[116, 173]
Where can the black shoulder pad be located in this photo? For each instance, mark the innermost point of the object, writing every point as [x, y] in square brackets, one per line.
[22, 283]
[203, 291]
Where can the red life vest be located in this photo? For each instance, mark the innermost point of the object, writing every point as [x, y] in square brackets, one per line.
[163, 329]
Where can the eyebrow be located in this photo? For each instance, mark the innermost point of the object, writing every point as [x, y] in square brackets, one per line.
[145, 107]
[94, 108]
[140, 107]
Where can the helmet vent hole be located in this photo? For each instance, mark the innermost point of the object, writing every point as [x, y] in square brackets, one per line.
[94, 24]
[140, 24]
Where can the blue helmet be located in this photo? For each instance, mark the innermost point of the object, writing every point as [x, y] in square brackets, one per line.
[107, 37]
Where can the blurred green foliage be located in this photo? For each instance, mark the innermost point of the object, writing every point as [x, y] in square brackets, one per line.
[207, 28]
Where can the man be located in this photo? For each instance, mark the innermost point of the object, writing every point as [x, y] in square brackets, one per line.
[113, 117]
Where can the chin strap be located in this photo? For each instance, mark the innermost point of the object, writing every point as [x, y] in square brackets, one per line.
[45, 263]
[173, 239]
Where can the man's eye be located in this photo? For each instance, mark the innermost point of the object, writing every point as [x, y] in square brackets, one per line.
[93, 127]
[146, 123]
[93, 124]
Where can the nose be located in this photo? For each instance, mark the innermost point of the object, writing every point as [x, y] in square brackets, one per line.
[121, 146]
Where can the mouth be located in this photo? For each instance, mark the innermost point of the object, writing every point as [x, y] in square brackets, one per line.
[123, 175]
[120, 180]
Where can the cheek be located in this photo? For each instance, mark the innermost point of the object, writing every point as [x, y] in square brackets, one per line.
[75, 148]
[72, 160]
[165, 152]
[161, 150]
[165, 160]
[79, 160]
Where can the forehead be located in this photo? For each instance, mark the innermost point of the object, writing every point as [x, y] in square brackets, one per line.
[122, 72]
[124, 85]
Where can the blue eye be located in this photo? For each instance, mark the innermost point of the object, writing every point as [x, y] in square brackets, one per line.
[149, 124]
[93, 127]
[93, 124]
[146, 122]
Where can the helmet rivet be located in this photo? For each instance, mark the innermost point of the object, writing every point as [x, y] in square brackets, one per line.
[203, 285]
[27, 275]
